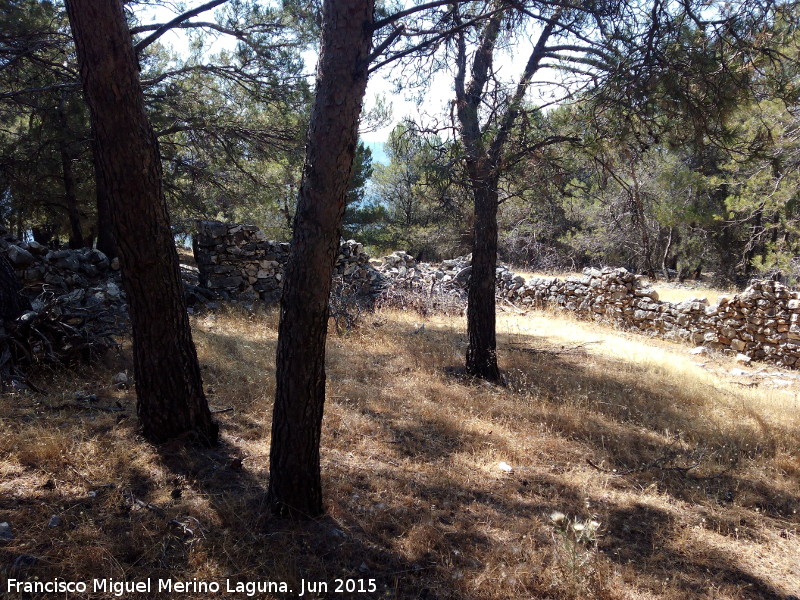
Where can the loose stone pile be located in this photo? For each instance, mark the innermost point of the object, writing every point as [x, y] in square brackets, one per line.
[239, 262]
[72, 310]
[402, 272]
[38, 266]
[449, 277]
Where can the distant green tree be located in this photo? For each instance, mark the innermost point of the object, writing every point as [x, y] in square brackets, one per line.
[229, 123]
[45, 178]
[360, 213]
[421, 194]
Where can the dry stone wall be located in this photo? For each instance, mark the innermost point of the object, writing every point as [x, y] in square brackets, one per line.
[239, 262]
[41, 268]
[763, 322]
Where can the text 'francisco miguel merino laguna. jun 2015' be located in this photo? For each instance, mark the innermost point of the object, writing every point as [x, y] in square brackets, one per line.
[119, 588]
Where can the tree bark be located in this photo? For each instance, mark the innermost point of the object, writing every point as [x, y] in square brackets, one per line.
[481, 307]
[106, 241]
[295, 488]
[68, 177]
[170, 398]
[484, 163]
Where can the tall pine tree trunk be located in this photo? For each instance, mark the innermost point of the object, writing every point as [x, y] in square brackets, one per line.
[481, 360]
[295, 487]
[171, 402]
[481, 316]
[484, 164]
[106, 242]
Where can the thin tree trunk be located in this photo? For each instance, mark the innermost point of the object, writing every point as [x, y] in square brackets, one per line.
[12, 303]
[68, 178]
[481, 316]
[484, 167]
[295, 487]
[171, 402]
[664, 257]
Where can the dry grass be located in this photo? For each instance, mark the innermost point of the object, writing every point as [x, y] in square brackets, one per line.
[678, 292]
[693, 479]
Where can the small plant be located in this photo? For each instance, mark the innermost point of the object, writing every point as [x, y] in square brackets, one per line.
[347, 305]
[575, 544]
[434, 300]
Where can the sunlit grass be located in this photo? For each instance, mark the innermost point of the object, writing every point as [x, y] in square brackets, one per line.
[693, 477]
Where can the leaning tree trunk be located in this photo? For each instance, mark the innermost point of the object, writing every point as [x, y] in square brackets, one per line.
[295, 487]
[482, 348]
[169, 390]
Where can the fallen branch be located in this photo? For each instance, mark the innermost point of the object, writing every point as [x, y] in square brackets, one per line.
[563, 351]
[91, 483]
[61, 329]
[76, 406]
[128, 495]
[659, 464]
[508, 306]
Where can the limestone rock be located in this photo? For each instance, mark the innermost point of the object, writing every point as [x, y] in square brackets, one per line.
[19, 257]
[6, 533]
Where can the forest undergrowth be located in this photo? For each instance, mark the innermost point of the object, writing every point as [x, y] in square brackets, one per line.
[608, 466]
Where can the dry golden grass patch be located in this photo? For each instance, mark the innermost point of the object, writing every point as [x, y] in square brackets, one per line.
[674, 480]
[674, 291]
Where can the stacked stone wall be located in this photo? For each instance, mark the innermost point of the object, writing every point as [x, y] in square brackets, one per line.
[41, 268]
[239, 262]
[763, 322]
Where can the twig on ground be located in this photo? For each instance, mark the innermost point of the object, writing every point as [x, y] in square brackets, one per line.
[76, 406]
[562, 351]
[128, 495]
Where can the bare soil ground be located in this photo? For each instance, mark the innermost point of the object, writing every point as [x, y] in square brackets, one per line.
[610, 466]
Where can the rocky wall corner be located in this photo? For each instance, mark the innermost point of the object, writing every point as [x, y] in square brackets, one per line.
[238, 262]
